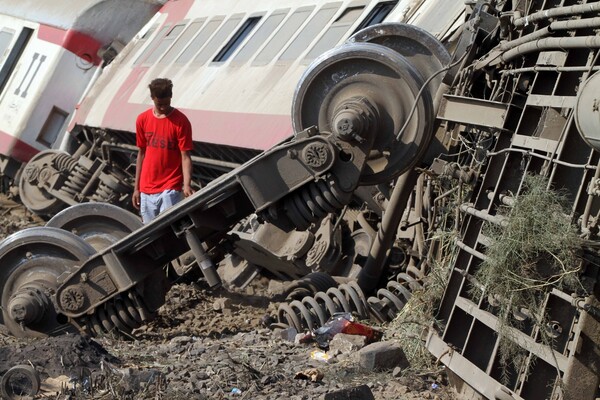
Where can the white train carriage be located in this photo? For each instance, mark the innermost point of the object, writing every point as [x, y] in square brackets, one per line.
[235, 65]
[49, 54]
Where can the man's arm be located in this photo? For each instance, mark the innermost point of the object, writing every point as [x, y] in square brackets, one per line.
[135, 198]
[186, 165]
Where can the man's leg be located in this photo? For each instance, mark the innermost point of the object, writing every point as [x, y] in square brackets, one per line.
[169, 198]
[149, 206]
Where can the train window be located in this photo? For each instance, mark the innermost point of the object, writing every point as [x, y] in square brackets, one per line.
[14, 56]
[218, 39]
[310, 31]
[237, 39]
[289, 28]
[335, 33]
[52, 127]
[261, 35]
[164, 44]
[377, 14]
[182, 41]
[152, 45]
[5, 39]
[200, 40]
[138, 45]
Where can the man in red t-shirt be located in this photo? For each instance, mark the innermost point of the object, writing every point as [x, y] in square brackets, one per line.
[164, 167]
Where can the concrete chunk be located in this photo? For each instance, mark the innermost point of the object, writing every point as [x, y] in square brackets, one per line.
[288, 334]
[345, 344]
[382, 356]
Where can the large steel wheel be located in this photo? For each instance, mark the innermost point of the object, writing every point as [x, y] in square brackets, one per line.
[419, 47]
[365, 91]
[99, 224]
[38, 172]
[31, 263]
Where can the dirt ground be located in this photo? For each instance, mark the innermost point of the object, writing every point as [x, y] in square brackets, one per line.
[203, 345]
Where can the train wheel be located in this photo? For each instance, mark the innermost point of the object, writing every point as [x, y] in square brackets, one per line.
[368, 90]
[427, 54]
[31, 264]
[39, 172]
[99, 224]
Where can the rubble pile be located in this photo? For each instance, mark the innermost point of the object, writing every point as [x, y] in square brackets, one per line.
[218, 345]
[14, 217]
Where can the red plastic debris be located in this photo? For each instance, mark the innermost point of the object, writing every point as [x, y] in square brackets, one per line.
[344, 323]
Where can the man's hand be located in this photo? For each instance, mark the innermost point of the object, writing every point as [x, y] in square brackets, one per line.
[188, 191]
[135, 199]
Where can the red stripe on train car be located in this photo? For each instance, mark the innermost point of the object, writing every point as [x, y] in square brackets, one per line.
[78, 43]
[245, 130]
[17, 149]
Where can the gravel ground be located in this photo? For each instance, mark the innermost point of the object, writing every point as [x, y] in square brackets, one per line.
[205, 345]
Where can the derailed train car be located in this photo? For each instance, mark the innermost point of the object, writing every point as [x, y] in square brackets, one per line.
[49, 55]
[403, 157]
[234, 65]
[519, 317]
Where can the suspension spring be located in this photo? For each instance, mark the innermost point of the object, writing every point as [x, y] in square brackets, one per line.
[120, 316]
[63, 162]
[390, 300]
[78, 179]
[104, 193]
[78, 176]
[315, 201]
[309, 284]
[313, 311]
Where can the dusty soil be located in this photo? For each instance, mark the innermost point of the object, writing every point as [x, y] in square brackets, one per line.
[203, 345]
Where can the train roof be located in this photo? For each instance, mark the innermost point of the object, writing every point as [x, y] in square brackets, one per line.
[89, 16]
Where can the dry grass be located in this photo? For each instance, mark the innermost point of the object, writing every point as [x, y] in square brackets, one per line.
[411, 325]
[536, 251]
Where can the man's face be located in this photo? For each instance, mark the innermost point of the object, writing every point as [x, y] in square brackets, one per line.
[162, 106]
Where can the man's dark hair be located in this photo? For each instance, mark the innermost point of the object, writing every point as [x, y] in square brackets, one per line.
[161, 88]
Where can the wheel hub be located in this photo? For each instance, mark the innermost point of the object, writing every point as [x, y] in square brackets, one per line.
[31, 174]
[364, 92]
[355, 119]
[34, 184]
[28, 304]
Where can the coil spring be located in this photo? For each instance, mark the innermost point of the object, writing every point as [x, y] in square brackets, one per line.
[313, 202]
[63, 162]
[309, 284]
[103, 193]
[78, 178]
[313, 312]
[118, 317]
[390, 300]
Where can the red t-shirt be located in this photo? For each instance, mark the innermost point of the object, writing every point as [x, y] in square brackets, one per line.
[164, 139]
